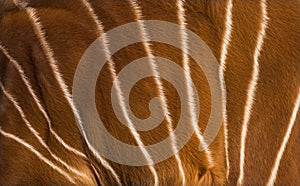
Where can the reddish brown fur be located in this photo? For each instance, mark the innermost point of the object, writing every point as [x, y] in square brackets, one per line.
[278, 86]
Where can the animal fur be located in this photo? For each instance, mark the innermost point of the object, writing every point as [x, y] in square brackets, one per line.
[70, 30]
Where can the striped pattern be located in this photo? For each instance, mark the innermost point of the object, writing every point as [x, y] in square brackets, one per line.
[31, 12]
[35, 133]
[224, 51]
[287, 135]
[145, 38]
[252, 87]
[120, 93]
[34, 96]
[226, 42]
[39, 155]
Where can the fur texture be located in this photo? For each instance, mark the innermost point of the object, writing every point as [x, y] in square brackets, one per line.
[69, 30]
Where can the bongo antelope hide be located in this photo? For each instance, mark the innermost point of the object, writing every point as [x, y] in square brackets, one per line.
[257, 47]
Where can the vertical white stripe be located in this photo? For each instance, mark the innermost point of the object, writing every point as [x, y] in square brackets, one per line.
[190, 93]
[31, 12]
[41, 108]
[145, 38]
[36, 134]
[224, 51]
[252, 87]
[286, 138]
[120, 96]
[39, 155]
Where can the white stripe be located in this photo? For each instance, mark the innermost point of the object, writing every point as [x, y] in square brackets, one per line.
[252, 88]
[120, 96]
[145, 38]
[224, 51]
[53, 64]
[97, 174]
[190, 93]
[286, 138]
[39, 155]
[68, 147]
[36, 134]
[17, 106]
[31, 91]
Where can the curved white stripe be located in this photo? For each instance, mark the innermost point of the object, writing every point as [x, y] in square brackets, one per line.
[190, 93]
[252, 88]
[17, 106]
[97, 174]
[286, 138]
[145, 38]
[224, 51]
[120, 96]
[31, 12]
[31, 91]
[39, 155]
[36, 134]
